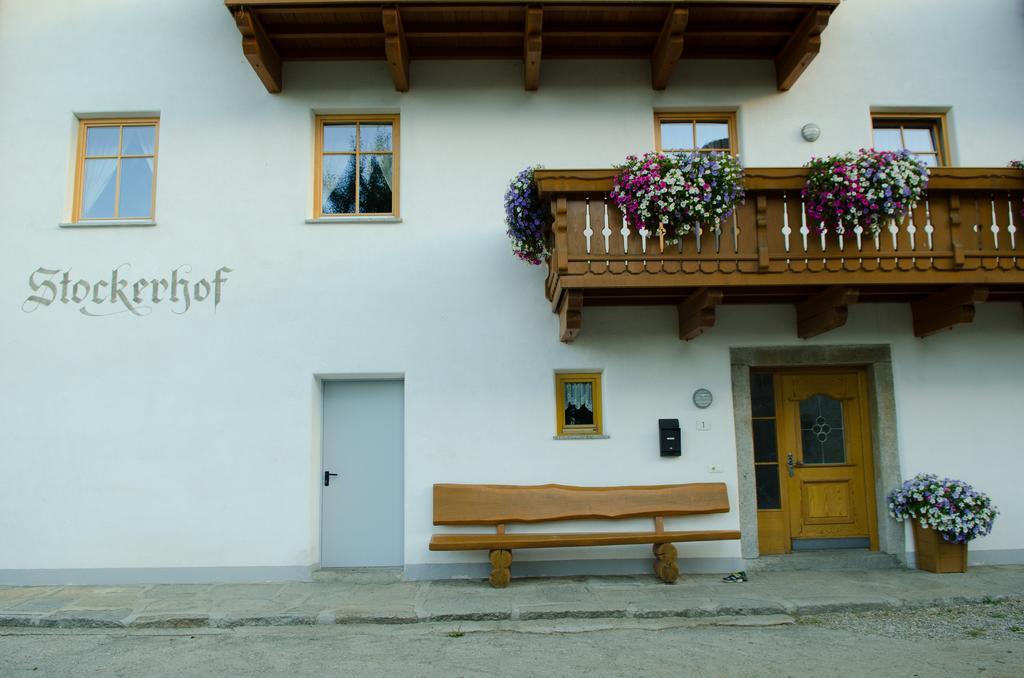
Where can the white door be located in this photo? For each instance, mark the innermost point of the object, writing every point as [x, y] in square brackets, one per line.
[362, 505]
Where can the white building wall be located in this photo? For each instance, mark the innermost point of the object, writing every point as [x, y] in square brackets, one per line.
[180, 441]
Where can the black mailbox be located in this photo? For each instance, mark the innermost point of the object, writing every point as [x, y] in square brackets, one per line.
[671, 437]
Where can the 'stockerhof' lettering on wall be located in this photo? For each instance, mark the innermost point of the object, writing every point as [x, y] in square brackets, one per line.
[118, 294]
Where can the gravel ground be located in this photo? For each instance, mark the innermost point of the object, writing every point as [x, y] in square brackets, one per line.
[900, 643]
[998, 620]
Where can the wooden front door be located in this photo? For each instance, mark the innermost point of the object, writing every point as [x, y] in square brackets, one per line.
[826, 481]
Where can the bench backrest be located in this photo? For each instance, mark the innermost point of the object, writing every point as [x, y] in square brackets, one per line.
[499, 504]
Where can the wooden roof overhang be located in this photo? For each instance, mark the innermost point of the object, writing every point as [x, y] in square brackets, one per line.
[787, 32]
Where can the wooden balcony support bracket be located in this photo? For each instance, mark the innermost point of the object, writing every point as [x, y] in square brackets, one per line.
[395, 49]
[945, 309]
[570, 314]
[824, 311]
[697, 312]
[801, 49]
[532, 42]
[259, 50]
[669, 47]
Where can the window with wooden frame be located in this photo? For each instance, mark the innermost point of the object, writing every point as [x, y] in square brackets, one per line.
[578, 403]
[924, 135]
[700, 132]
[356, 170]
[115, 175]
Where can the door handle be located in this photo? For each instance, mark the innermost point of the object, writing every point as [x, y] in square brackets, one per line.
[328, 475]
[790, 464]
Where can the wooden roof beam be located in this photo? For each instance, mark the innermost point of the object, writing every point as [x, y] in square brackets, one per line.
[801, 49]
[259, 50]
[669, 47]
[945, 309]
[532, 48]
[824, 311]
[395, 49]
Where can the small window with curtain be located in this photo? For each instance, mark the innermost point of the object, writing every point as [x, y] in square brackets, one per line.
[922, 135]
[578, 403]
[356, 166]
[695, 132]
[115, 178]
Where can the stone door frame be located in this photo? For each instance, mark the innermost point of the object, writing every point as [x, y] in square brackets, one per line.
[877, 360]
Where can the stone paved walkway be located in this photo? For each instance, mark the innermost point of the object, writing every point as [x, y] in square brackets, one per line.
[358, 599]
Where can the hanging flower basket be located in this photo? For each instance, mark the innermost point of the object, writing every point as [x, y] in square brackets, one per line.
[864, 189]
[525, 218]
[677, 192]
[945, 514]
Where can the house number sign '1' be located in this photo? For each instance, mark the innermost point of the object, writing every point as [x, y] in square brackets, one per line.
[118, 294]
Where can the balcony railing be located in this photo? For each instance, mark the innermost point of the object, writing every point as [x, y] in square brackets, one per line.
[962, 244]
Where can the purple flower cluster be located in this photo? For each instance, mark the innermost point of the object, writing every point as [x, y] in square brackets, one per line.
[951, 507]
[680, 191]
[525, 218]
[863, 189]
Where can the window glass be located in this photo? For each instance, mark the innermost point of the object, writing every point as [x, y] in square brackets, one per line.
[713, 136]
[676, 136]
[888, 139]
[918, 140]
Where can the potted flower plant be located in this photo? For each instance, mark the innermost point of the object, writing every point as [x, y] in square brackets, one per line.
[863, 189]
[525, 218]
[945, 515]
[659, 193]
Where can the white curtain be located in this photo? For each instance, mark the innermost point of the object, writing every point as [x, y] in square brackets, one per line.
[98, 175]
[580, 395]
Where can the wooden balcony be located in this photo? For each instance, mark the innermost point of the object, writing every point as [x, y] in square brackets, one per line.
[962, 245]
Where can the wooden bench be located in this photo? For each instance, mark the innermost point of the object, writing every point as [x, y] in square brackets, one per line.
[500, 505]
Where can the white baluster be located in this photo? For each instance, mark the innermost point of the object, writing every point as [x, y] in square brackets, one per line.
[735, 234]
[912, 229]
[894, 232]
[928, 228]
[607, 230]
[995, 225]
[696, 230]
[624, 232]
[804, 231]
[823, 234]
[718, 238]
[1011, 229]
[588, 231]
[858, 231]
[644, 233]
[786, 230]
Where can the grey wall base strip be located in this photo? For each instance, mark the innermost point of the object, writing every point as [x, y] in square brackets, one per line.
[986, 557]
[154, 575]
[568, 568]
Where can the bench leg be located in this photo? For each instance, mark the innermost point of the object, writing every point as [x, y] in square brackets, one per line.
[665, 565]
[500, 574]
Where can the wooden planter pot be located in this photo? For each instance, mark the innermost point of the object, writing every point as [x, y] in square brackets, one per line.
[935, 554]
